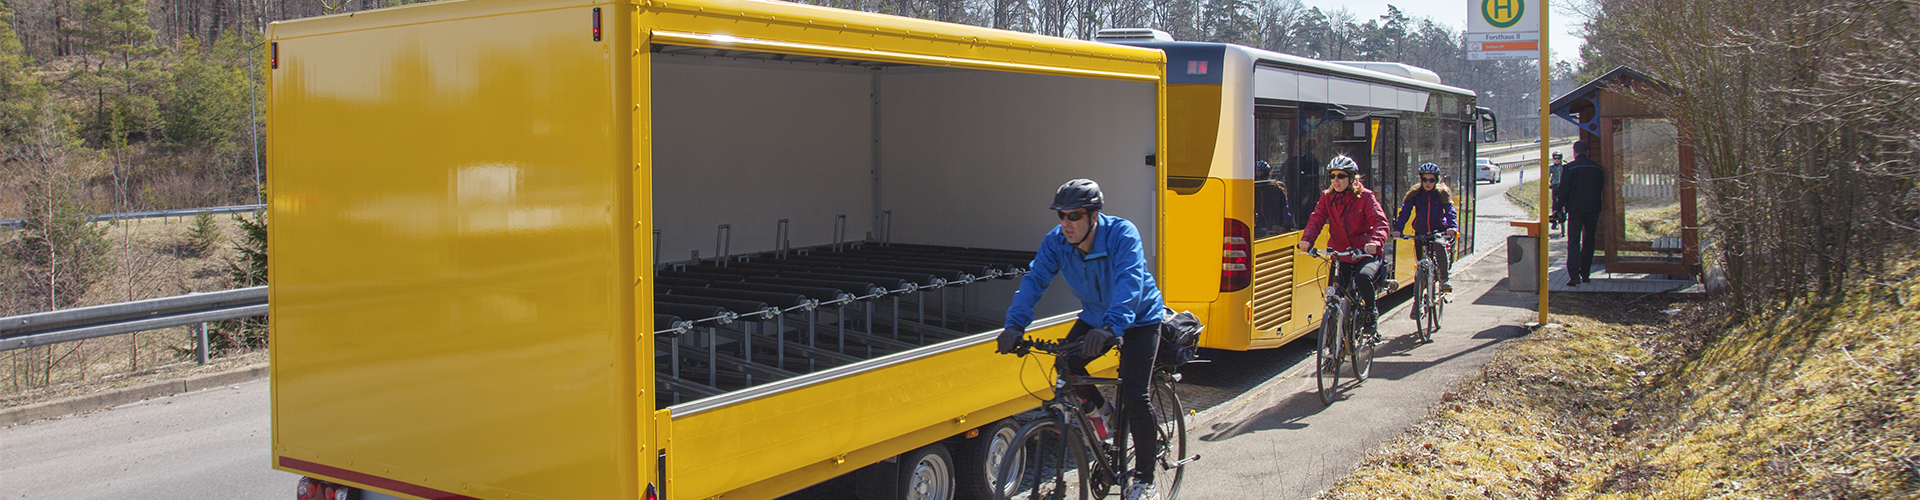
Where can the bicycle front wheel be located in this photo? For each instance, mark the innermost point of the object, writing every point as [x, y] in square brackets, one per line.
[1045, 463]
[1327, 360]
[1428, 292]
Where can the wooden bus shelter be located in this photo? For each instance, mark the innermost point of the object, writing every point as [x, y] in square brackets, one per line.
[1649, 223]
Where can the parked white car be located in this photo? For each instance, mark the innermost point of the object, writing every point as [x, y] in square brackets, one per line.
[1488, 171]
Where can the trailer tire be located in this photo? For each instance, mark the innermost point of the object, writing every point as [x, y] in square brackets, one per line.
[927, 474]
[979, 460]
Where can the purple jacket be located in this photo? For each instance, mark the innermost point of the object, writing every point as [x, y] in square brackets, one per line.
[1429, 204]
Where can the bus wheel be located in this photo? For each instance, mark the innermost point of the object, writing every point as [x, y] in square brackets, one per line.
[979, 459]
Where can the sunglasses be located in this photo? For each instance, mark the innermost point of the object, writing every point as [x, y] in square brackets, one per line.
[1429, 179]
[1339, 176]
[1073, 216]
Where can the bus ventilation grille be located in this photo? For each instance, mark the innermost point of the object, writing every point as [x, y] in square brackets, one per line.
[1273, 289]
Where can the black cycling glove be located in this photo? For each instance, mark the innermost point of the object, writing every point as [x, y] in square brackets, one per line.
[1095, 342]
[1009, 339]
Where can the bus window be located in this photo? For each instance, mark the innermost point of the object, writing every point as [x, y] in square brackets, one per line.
[1271, 151]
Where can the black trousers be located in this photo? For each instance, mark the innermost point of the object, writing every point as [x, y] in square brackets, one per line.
[1364, 277]
[1136, 373]
[1583, 230]
[1441, 258]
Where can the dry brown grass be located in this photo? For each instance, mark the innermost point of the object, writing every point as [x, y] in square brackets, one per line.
[1627, 401]
[150, 259]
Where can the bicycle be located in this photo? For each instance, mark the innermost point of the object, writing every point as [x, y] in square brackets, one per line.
[1340, 330]
[1429, 301]
[1046, 450]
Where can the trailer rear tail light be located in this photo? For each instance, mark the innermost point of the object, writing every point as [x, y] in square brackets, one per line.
[314, 489]
[1236, 257]
[273, 55]
[651, 493]
[596, 24]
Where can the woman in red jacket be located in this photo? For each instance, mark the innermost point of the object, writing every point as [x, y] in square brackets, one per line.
[1356, 220]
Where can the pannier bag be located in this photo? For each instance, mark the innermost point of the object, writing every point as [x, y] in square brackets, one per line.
[1179, 339]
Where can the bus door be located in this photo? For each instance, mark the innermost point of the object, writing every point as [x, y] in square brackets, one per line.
[1277, 188]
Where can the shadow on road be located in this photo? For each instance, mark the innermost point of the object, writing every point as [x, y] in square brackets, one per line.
[1385, 368]
[1285, 415]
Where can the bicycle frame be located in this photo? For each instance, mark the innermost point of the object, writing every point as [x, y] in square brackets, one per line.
[1103, 465]
[1065, 407]
[1339, 330]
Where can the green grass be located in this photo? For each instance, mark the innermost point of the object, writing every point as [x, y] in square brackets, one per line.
[1637, 400]
[1526, 195]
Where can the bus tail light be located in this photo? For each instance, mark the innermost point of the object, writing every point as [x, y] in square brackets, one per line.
[1236, 257]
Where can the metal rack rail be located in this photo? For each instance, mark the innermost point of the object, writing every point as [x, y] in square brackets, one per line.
[737, 321]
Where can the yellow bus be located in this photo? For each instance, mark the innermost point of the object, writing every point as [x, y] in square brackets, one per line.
[1249, 134]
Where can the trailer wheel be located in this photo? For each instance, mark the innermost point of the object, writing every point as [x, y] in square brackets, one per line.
[927, 473]
[980, 459]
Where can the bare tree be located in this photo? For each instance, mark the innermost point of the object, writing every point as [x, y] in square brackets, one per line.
[1800, 114]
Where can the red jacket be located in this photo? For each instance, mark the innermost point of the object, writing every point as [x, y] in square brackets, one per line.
[1357, 219]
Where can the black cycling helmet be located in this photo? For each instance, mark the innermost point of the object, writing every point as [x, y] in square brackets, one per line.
[1076, 194]
[1429, 168]
[1342, 162]
[1262, 170]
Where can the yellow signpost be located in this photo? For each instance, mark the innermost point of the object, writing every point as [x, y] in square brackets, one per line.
[1546, 197]
[1498, 30]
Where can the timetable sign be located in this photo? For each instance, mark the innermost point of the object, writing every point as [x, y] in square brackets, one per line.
[1503, 29]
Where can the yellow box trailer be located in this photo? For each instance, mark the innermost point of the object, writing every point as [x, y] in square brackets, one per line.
[488, 218]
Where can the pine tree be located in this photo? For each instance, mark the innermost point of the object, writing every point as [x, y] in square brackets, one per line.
[121, 72]
[208, 104]
[203, 235]
[249, 271]
[22, 96]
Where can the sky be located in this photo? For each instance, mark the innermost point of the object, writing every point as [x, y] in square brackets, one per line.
[1564, 42]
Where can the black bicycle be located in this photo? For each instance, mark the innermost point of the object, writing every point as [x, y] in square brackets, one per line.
[1340, 334]
[1430, 303]
[1057, 457]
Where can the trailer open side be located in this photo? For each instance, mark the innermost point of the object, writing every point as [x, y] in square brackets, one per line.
[559, 249]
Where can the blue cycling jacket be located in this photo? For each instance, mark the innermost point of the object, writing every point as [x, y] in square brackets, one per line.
[1112, 282]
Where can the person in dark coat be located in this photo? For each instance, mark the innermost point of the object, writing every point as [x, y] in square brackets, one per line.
[1577, 200]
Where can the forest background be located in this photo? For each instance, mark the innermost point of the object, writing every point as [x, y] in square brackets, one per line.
[1800, 112]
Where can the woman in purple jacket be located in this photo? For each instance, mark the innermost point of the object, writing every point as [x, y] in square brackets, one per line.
[1430, 209]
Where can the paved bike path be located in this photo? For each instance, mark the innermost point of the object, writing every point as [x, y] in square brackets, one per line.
[1282, 443]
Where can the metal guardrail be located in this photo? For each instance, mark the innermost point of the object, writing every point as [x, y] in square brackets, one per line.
[1500, 149]
[185, 212]
[81, 323]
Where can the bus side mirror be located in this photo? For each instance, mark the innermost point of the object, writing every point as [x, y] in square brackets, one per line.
[1489, 124]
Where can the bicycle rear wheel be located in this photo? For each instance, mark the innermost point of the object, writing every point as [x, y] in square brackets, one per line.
[1439, 302]
[1171, 420]
[1360, 346]
[1046, 463]
[1327, 359]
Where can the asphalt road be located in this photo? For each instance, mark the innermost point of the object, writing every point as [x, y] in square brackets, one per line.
[200, 445]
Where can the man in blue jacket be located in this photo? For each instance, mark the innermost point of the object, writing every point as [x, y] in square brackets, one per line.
[1103, 261]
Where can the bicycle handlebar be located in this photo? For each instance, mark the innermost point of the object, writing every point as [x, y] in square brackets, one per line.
[1054, 347]
[1328, 252]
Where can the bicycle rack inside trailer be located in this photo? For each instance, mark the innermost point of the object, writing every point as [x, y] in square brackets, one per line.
[732, 322]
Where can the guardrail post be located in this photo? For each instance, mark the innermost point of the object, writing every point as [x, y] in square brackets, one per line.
[200, 345]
